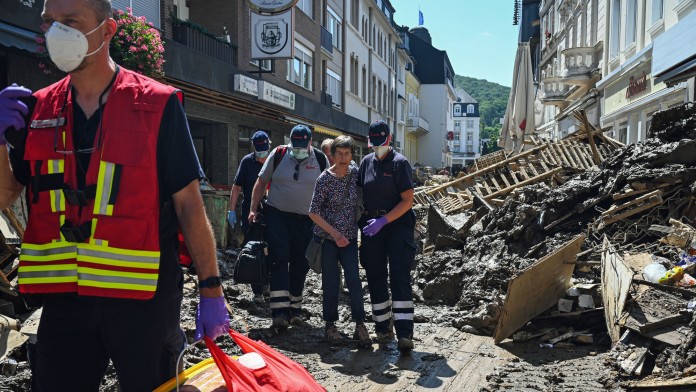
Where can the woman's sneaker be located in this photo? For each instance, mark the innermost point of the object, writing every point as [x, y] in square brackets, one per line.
[361, 335]
[332, 335]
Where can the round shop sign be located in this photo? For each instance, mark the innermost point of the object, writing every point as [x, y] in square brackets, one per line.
[271, 6]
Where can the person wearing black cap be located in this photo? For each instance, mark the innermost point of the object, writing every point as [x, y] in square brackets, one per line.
[291, 172]
[244, 181]
[388, 248]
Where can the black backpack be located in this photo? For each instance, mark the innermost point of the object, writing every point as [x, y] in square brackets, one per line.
[280, 153]
[252, 264]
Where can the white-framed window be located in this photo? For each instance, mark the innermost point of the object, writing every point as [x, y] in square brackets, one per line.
[469, 123]
[456, 136]
[333, 24]
[615, 28]
[334, 87]
[307, 6]
[264, 64]
[457, 125]
[657, 11]
[300, 68]
[403, 111]
[469, 109]
[457, 110]
[150, 9]
[623, 131]
[631, 18]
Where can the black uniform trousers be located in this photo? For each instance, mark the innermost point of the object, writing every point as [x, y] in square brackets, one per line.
[387, 259]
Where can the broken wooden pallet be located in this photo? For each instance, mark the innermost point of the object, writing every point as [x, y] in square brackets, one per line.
[633, 207]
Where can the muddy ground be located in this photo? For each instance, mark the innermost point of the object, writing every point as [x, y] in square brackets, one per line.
[446, 358]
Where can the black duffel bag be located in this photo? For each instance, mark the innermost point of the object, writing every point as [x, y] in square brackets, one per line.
[252, 264]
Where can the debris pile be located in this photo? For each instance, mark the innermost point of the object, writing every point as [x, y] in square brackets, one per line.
[497, 224]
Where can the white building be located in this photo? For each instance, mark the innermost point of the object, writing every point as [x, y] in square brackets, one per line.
[642, 58]
[464, 146]
[370, 61]
[572, 39]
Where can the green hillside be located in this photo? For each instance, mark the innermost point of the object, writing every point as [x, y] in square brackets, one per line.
[492, 98]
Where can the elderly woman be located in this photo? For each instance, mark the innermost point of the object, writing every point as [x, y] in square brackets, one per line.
[333, 212]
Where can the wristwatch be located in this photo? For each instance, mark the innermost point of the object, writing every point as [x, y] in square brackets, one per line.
[213, 281]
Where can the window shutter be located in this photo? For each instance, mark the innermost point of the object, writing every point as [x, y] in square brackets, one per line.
[150, 9]
[120, 4]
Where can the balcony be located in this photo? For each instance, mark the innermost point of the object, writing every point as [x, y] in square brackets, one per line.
[203, 42]
[555, 91]
[417, 126]
[579, 63]
[326, 40]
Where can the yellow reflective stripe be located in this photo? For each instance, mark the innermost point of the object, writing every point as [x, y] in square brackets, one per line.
[51, 267]
[66, 279]
[92, 240]
[51, 251]
[109, 285]
[61, 221]
[56, 166]
[105, 181]
[136, 275]
[145, 254]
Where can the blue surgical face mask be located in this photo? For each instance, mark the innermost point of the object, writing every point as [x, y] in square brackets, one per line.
[261, 154]
[300, 153]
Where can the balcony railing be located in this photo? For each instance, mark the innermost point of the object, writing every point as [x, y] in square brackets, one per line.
[579, 63]
[202, 42]
[554, 90]
[326, 40]
[417, 124]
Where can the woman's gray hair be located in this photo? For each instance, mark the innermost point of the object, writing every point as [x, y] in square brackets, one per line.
[343, 141]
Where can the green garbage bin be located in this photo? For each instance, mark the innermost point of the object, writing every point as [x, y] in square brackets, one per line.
[216, 203]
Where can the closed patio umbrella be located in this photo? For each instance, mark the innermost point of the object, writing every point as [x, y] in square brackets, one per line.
[519, 114]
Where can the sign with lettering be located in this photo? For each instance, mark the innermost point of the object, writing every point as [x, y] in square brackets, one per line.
[272, 36]
[246, 85]
[271, 6]
[271, 93]
[636, 85]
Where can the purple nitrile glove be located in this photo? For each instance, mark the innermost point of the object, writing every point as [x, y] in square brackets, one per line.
[374, 226]
[12, 110]
[212, 319]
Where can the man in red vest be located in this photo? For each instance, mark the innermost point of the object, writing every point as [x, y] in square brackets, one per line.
[110, 172]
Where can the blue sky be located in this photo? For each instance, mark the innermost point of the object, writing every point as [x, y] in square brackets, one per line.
[478, 35]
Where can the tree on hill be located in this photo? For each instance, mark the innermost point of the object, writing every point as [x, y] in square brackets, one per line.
[492, 98]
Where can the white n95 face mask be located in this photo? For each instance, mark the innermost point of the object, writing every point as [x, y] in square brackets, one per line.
[380, 150]
[67, 46]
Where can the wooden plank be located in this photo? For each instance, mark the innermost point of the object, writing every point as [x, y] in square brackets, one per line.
[505, 180]
[590, 137]
[631, 208]
[485, 184]
[580, 151]
[495, 183]
[616, 283]
[660, 383]
[574, 154]
[560, 155]
[523, 172]
[537, 288]
[569, 155]
[532, 169]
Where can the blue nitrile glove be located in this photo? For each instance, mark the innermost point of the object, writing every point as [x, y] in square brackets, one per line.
[374, 226]
[12, 110]
[232, 217]
[212, 319]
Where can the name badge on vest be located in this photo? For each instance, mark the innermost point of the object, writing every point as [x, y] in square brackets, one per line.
[50, 123]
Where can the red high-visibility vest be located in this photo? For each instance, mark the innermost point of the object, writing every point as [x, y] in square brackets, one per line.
[109, 246]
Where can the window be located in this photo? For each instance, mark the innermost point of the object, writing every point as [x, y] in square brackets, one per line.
[615, 28]
[265, 64]
[333, 87]
[306, 7]
[457, 125]
[631, 17]
[354, 75]
[657, 11]
[364, 84]
[469, 123]
[456, 136]
[355, 13]
[623, 132]
[457, 110]
[469, 109]
[300, 68]
[403, 110]
[150, 9]
[333, 24]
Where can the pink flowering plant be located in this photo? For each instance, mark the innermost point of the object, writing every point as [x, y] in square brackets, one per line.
[137, 45]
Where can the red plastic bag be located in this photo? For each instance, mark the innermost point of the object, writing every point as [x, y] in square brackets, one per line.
[281, 374]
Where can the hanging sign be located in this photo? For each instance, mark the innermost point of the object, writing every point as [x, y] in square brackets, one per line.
[271, 6]
[271, 93]
[272, 36]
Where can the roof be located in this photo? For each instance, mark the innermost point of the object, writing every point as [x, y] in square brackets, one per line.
[465, 97]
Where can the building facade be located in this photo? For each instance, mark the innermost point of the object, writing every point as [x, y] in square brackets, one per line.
[464, 145]
[571, 48]
[631, 92]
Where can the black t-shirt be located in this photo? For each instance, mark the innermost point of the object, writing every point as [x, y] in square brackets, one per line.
[384, 181]
[177, 166]
[246, 177]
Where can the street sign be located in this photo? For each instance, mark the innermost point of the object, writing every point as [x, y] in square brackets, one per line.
[271, 6]
[272, 36]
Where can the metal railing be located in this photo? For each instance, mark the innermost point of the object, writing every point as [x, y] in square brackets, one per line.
[197, 40]
[326, 40]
